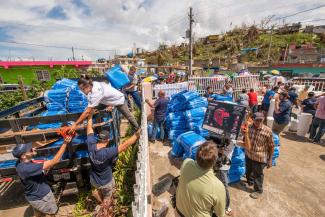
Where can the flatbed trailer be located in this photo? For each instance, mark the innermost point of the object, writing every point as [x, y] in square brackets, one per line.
[75, 166]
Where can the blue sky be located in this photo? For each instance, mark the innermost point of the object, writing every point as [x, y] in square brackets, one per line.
[116, 24]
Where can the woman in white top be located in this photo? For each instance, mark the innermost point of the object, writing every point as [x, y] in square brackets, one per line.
[103, 93]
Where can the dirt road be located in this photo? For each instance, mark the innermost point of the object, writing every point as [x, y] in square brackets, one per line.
[294, 187]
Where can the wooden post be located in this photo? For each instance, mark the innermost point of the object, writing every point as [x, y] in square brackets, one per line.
[22, 87]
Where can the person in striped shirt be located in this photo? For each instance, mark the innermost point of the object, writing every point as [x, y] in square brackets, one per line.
[258, 142]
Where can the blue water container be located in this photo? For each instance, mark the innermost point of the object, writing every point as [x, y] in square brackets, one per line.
[219, 97]
[117, 77]
[198, 102]
[195, 113]
[190, 141]
[276, 139]
[177, 150]
[188, 96]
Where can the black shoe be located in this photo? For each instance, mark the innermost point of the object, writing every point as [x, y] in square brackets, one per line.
[152, 140]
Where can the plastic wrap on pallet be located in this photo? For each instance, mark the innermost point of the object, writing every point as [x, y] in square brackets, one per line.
[188, 96]
[177, 95]
[54, 106]
[150, 131]
[64, 84]
[196, 112]
[176, 116]
[178, 125]
[50, 125]
[190, 141]
[56, 95]
[173, 134]
[195, 124]
[220, 97]
[202, 132]
[177, 150]
[198, 102]
[237, 168]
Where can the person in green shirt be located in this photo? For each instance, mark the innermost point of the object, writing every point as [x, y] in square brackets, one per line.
[200, 193]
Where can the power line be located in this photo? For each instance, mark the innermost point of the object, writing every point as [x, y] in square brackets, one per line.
[300, 12]
[58, 47]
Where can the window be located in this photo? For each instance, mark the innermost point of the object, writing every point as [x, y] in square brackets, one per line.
[42, 75]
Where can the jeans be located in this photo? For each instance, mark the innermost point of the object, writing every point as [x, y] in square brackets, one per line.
[158, 124]
[124, 109]
[254, 108]
[317, 123]
[254, 174]
[222, 175]
[136, 97]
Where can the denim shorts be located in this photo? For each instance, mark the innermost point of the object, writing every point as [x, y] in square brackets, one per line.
[47, 205]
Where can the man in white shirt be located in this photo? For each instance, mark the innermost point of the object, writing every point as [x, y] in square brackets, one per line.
[102, 93]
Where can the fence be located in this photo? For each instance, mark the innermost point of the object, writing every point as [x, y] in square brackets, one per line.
[170, 89]
[200, 84]
[317, 83]
[140, 207]
[217, 84]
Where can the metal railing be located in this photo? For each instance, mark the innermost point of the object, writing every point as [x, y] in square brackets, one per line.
[170, 89]
[317, 83]
[200, 84]
[140, 206]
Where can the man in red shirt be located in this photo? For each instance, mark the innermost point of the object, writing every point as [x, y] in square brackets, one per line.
[253, 103]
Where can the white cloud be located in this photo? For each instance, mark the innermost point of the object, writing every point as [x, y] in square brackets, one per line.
[117, 24]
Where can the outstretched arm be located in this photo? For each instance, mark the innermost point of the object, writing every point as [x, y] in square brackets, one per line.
[149, 103]
[82, 117]
[130, 141]
[90, 129]
[50, 163]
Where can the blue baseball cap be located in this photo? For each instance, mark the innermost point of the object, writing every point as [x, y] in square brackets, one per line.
[21, 149]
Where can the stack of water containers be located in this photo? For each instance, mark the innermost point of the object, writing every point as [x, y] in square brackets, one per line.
[64, 97]
[190, 142]
[237, 168]
[185, 113]
[276, 153]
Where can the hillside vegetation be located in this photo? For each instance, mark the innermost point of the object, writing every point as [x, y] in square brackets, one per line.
[229, 47]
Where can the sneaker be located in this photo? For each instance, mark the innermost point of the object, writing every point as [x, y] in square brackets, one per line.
[255, 195]
[152, 140]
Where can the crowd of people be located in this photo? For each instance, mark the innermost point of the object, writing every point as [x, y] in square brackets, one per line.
[202, 189]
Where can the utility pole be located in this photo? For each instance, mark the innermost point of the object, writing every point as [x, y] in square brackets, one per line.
[190, 41]
[73, 54]
[270, 44]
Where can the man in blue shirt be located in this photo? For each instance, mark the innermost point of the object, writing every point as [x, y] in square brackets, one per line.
[293, 96]
[308, 105]
[160, 107]
[37, 192]
[102, 159]
[268, 97]
[282, 112]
